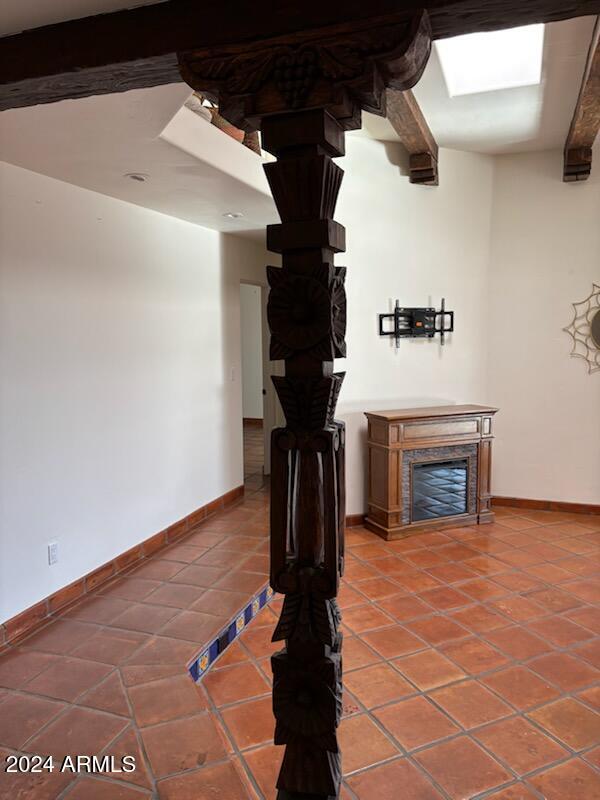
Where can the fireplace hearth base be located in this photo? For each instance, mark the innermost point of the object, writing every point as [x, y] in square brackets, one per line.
[429, 468]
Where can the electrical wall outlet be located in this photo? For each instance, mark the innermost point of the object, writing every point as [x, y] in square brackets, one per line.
[52, 553]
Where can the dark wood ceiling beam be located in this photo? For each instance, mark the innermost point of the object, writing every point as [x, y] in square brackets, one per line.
[586, 119]
[138, 48]
[406, 117]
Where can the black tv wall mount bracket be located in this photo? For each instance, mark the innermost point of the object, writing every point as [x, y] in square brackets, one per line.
[416, 323]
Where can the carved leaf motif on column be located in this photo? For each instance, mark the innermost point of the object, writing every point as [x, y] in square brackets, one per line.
[304, 189]
[308, 617]
[308, 403]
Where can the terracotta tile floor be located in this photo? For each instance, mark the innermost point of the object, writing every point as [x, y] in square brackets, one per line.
[254, 451]
[472, 660]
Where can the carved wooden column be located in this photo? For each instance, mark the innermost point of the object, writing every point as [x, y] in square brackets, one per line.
[307, 318]
[304, 91]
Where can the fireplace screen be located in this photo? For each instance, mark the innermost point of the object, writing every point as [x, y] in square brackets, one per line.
[439, 489]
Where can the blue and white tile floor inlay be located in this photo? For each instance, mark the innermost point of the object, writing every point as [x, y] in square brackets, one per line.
[201, 663]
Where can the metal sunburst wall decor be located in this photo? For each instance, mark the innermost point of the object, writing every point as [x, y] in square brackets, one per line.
[585, 330]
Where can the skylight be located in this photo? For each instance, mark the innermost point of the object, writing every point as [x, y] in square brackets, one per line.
[486, 62]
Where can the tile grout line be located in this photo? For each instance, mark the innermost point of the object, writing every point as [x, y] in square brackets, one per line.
[441, 647]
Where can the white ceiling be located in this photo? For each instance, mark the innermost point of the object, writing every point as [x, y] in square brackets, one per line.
[197, 173]
[512, 120]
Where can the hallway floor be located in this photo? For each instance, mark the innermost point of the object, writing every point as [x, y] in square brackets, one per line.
[254, 451]
[471, 656]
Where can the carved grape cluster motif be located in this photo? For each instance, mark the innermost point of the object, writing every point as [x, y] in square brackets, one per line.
[295, 73]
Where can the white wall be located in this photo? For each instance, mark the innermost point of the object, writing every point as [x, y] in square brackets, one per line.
[252, 345]
[545, 256]
[120, 346]
[120, 398]
[418, 244]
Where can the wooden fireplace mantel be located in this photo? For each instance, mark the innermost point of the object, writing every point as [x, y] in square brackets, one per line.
[403, 437]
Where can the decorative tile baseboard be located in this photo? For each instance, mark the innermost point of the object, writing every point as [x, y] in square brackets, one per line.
[354, 520]
[547, 505]
[208, 655]
[37, 616]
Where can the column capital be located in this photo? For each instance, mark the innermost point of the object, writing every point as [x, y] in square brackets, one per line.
[344, 68]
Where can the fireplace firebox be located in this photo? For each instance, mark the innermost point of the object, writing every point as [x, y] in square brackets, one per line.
[429, 468]
[439, 489]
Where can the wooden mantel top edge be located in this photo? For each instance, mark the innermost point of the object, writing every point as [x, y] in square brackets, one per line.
[430, 412]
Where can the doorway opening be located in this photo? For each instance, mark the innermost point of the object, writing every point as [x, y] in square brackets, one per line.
[251, 328]
[261, 409]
